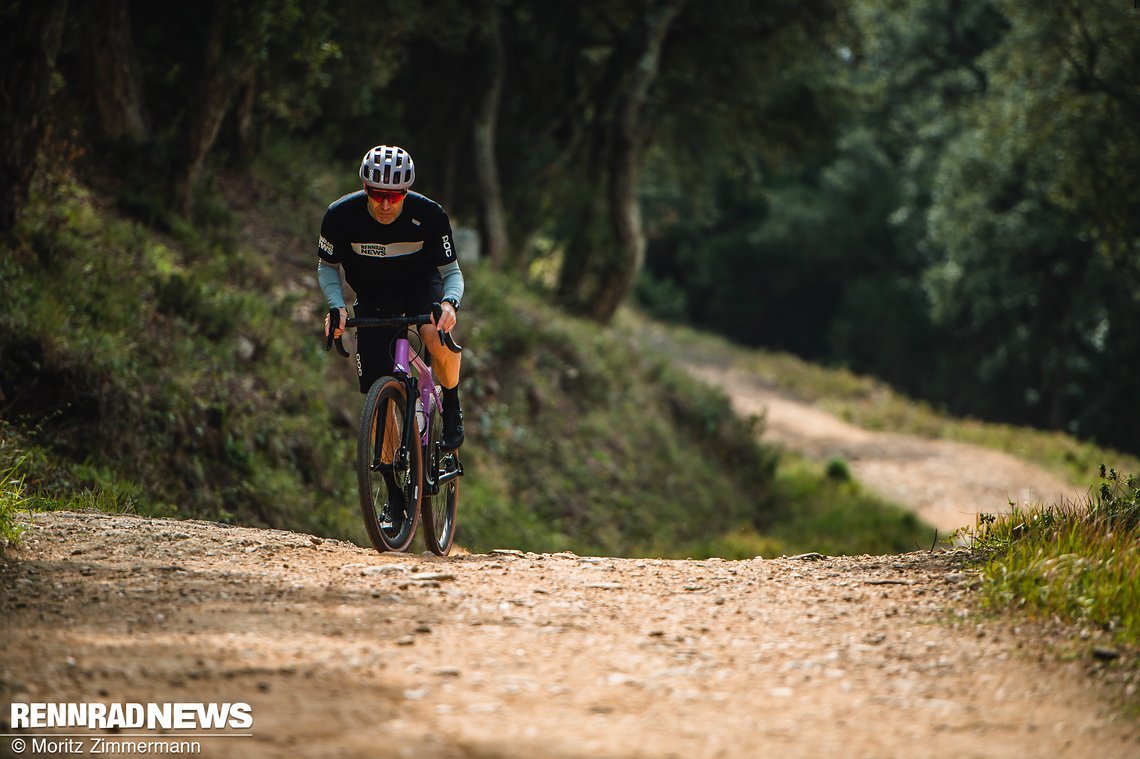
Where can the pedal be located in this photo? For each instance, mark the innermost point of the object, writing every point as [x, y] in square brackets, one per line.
[458, 468]
[451, 468]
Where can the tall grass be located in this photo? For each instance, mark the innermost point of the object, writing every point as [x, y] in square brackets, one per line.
[13, 498]
[1079, 562]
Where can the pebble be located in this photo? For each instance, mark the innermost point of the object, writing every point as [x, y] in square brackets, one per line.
[383, 569]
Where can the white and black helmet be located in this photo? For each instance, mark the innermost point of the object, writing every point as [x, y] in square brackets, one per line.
[388, 168]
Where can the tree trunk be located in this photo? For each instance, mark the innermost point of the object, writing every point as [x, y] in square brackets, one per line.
[613, 265]
[249, 139]
[229, 62]
[118, 81]
[29, 43]
[492, 216]
[578, 260]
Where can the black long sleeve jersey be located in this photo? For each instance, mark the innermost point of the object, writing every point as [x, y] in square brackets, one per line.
[380, 259]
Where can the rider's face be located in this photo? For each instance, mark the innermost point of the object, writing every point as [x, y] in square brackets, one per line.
[385, 207]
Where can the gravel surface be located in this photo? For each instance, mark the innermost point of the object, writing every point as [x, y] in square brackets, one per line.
[342, 652]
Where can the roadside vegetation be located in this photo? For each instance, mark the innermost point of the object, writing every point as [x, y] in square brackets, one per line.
[12, 501]
[159, 367]
[1076, 562]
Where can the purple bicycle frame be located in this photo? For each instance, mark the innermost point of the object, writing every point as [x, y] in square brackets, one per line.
[403, 360]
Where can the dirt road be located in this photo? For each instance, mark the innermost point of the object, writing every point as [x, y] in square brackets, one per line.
[944, 482]
[342, 652]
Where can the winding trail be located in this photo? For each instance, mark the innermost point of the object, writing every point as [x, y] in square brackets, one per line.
[945, 482]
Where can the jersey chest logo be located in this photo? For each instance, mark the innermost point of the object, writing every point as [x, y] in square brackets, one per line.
[372, 249]
[387, 250]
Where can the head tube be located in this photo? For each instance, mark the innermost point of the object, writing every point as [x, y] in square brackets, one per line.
[401, 355]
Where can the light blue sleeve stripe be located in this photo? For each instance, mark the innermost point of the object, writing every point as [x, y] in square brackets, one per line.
[328, 275]
[452, 281]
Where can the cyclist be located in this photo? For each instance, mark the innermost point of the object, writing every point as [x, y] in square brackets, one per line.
[398, 255]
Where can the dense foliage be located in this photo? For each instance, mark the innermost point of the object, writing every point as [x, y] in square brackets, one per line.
[970, 233]
[937, 194]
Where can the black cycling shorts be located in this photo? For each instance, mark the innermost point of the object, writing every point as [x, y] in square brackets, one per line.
[375, 345]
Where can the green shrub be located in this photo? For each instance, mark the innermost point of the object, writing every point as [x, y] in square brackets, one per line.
[838, 470]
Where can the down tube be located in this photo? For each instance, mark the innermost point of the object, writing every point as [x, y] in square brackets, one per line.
[427, 391]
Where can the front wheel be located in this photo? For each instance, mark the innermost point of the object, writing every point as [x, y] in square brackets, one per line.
[390, 484]
[440, 501]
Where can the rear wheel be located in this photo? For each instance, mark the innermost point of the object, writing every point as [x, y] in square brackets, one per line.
[439, 501]
[390, 490]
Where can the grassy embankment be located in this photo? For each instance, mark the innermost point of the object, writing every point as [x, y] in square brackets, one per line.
[169, 368]
[1077, 562]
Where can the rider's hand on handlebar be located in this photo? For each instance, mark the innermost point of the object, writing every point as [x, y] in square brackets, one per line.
[343, 317]
[447, 318]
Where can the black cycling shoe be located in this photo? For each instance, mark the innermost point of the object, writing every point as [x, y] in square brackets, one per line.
[393, 511]
[452, 436]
